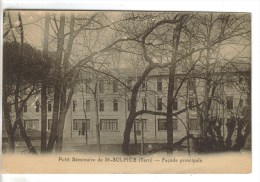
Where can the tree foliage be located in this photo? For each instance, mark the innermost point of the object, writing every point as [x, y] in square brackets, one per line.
[25, 60]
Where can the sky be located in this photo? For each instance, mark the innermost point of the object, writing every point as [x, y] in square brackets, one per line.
[33, 22]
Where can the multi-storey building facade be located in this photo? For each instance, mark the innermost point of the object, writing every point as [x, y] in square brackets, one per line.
[111, 107]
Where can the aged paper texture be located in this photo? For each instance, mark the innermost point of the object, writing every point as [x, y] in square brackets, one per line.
[126, 92]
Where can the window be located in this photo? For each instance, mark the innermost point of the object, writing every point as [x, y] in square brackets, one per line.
[37, 89]
[49, 124]
[144, 103]
[101, 105]
[31, 124]
[175, 105]
[129, 104]
[115, 105]
[193, 124]
[241, 80]
[49, 106]
[138, 124]
[101, 86]
[159, 104]
[37, 106]
[88, 89]
[162, 125]
[109, 125]
[175, 124]
[230, 121]
[229, 102]
[129, 83]
[191, 84]
[24, 91]
[229, 83]
[9, 107]
[192, 104]
[74, 105]
[175, 84]
[50, 90]
[81, 125]
[25, 107]
[143, 85]
[241, 103]
[115, 86]
[87, 106]
[159, 84]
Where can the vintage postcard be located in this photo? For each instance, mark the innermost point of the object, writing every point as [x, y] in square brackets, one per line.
[126, 92]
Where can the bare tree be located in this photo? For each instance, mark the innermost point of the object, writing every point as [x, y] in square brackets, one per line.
[218, 31]
[66, 73]
[44, 88]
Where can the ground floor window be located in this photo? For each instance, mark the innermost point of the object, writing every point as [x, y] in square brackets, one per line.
[49, 106]
[193, 124]
[109, 125]
[163, 126]
[115, 105]
[101, 105]
[129, 104]
[37, 106]
[192, 104]
[159, 104]
[49, 124]
[175, 105]
[229, 102]
[25, 107]
[138, 124]
[9, 107]
[81, 125]
[31, 124]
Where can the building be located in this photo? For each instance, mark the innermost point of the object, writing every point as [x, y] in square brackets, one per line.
[113, 106]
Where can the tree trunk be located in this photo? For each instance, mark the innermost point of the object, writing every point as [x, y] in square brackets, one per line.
[7, 122]
[55, 117]
[169, 121]
[64, 107]
[44, 90]
[64, 103]
[135, 134]
[127, 132]
[11, 143]
[131, 117]
[61, 120]
[241, 138]
[43, 117]
[57, 87]
[230, 130]
[97, 118]
[18, 119]
[11, 27]
[199, 112]
[84, 105]
[205, 113]
[26, 138]
[59, 140]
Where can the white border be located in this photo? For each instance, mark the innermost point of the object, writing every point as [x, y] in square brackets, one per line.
[252, 6]
[170, 5]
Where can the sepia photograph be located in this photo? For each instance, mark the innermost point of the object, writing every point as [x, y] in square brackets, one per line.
[126, 92]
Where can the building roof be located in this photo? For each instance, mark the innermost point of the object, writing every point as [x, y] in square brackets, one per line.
[223, 67]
